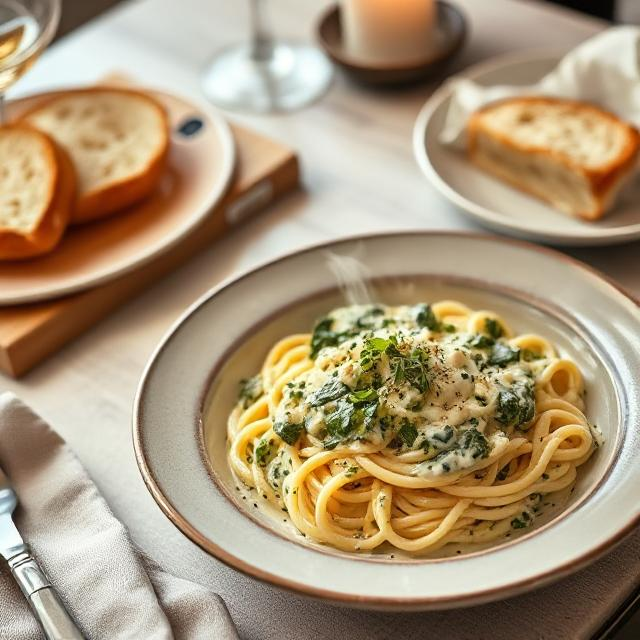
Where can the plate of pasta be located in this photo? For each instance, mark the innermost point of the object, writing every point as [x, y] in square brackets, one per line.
[418, 428]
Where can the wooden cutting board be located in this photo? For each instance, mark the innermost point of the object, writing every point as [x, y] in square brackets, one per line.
[265, 171]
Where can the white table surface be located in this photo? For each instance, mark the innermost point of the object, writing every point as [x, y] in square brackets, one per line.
[360, 176]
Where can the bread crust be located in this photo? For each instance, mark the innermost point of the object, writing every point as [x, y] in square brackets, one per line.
[602, 181]
[100, 203]
[54, 219]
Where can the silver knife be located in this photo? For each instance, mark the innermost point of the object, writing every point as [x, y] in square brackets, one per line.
[45, 603]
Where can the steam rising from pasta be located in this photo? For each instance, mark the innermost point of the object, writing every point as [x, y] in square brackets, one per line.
[352, 276]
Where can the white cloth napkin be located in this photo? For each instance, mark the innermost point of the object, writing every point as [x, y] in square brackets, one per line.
[604, 70]
[110, 590]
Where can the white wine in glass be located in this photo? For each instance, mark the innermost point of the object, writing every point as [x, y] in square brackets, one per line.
[26, 28]
[264, 74]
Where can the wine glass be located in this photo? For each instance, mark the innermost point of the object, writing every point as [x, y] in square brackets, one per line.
[26, 28]
[264, 75]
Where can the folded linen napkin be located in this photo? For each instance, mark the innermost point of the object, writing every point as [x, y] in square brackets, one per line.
[108, 587]
[604, 70]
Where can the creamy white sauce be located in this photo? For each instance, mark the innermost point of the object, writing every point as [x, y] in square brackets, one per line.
[444, 383]
[459, 459]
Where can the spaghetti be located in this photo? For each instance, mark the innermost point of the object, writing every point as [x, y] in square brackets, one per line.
[415, 426]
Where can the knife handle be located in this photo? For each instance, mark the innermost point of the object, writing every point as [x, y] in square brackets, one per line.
[43, 599]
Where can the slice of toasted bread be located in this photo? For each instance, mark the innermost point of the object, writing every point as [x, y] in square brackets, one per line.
[572, 154]
[37, 188]
[118, 141]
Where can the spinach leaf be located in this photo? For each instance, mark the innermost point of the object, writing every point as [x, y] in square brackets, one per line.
[443, 436]
[332, 390]
[470, 441]
[474, 441]
[339, 421]
[250, 390]
[503, 473]
[502, 354]
[332, 443]
[425, 317]
[408, 433]
[323, 336]
[363, 418]
[349, 421]
[288, 432]
[481, 341]
[493, 328]
[516, 405]
[368, 319]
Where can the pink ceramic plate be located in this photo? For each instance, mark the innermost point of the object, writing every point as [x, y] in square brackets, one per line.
[200, 168]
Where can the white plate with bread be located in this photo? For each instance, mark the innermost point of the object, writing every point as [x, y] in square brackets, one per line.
[543, 169]
[95, 182]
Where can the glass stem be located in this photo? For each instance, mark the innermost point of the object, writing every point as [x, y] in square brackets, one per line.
[261, 36]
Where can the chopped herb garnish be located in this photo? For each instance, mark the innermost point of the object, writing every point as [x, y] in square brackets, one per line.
[373, 350]
[364, 395]
[522, 522]
[411, 368]
[264, 451]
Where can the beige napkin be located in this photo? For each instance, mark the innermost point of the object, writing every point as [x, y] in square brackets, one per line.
[604, 69]
[111, 591]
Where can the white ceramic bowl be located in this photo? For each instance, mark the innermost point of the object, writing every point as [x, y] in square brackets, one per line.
[189, 387]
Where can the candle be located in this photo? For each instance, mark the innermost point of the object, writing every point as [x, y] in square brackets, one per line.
[387, 32]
